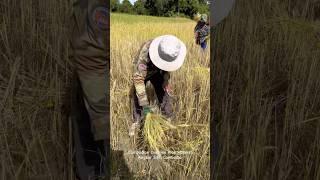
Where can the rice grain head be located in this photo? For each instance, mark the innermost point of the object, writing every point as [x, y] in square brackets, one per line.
[154, 131]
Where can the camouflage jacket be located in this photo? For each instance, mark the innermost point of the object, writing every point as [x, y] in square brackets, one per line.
[143, 70]
[90, 28]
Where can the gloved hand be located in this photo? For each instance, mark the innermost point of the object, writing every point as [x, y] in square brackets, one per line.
[146, 110]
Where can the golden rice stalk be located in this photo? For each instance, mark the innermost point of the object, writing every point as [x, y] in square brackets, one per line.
[191, 145]
[154, 130]
[199, 133]
[201, 70]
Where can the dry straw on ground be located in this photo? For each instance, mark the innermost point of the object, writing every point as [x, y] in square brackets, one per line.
[34, 74]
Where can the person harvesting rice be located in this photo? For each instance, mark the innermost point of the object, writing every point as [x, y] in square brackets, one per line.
[202, 31]
[153, 63]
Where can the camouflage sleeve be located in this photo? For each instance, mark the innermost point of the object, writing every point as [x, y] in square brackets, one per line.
[140, 73]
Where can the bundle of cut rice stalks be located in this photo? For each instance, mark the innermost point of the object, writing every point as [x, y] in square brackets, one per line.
[154, 131]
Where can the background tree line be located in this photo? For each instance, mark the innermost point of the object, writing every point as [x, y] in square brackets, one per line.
[161, 7]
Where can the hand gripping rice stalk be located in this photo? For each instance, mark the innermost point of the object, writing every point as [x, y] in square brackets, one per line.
[154, 130]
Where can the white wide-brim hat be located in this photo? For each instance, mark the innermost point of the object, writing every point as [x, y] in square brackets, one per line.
[167, 52]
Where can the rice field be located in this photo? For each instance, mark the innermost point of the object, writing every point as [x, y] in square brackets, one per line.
[191, 100]
[265, 84]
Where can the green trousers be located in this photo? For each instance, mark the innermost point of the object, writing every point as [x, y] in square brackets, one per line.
[94, 93]
[90, 126]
